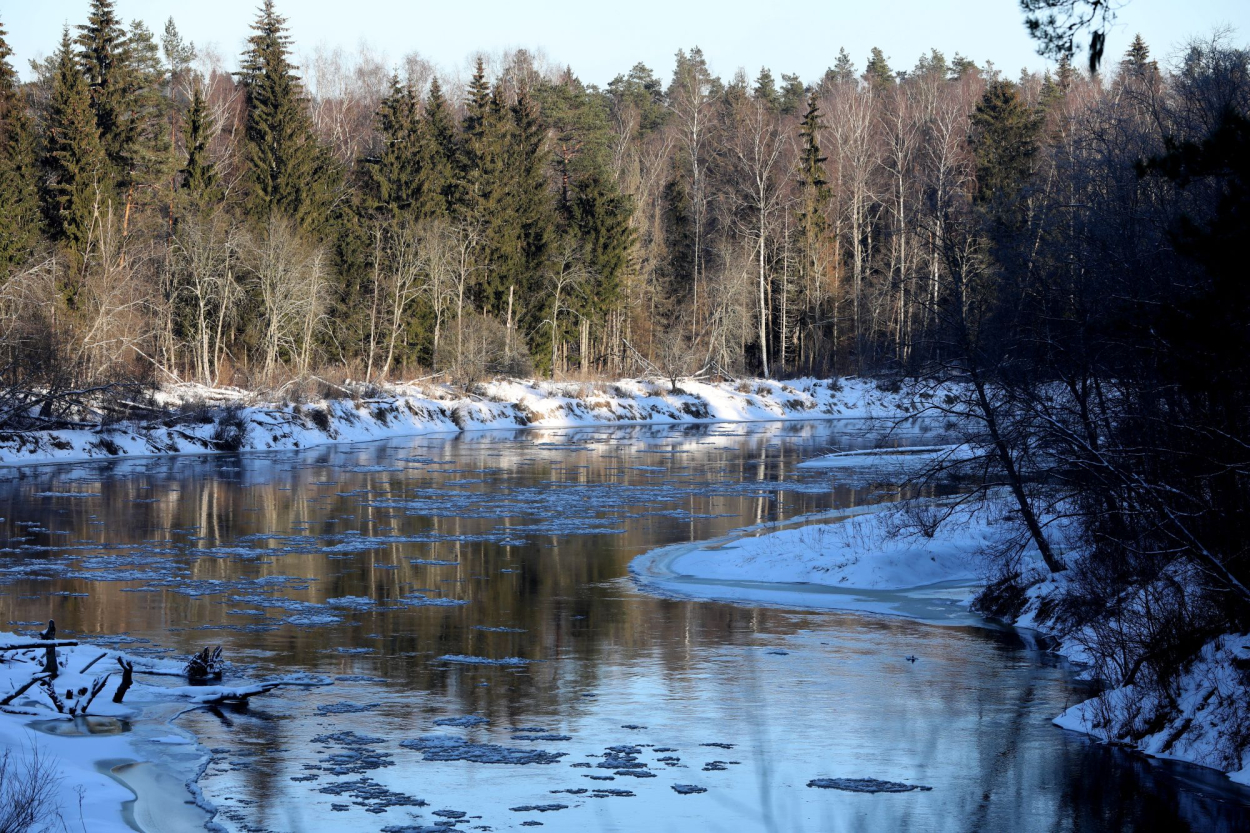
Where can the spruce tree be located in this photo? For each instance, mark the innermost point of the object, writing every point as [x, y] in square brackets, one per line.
[19, 175]
[1004, 142]
[103, 55]
[814, 192]
[439, 152]
[1137, 62]
[199, 174]
[601, 217]
[73, 156]
[287, 169]
[392, 175]
[766, 88]
[527, 159]
[146, 159]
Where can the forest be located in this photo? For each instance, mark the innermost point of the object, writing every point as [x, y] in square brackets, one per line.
[1066, 245]
[169, 217]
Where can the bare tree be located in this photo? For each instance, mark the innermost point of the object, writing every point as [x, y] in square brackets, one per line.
[288, 276]
[566, 273]
[760, 152]
[203, 257]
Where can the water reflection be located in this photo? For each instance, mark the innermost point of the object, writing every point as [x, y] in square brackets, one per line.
[369, 563]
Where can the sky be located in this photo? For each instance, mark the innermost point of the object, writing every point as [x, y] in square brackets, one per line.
[601, 40]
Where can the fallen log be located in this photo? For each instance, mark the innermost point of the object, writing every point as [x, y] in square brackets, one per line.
[22, 690]
[43, 643]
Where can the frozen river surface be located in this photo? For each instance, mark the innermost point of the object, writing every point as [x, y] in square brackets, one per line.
[494, 668]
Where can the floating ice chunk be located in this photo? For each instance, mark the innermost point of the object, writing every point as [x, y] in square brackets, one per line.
[468, 660]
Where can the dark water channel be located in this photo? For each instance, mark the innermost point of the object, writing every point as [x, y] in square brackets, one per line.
[397, 569]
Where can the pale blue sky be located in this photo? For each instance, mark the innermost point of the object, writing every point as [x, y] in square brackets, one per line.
[601, 39]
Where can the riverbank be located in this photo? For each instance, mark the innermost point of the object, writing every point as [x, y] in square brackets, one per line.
[193, 419]
[901, 562]
[107, 767]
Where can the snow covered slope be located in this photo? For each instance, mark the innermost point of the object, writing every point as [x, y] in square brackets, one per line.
[200, 419]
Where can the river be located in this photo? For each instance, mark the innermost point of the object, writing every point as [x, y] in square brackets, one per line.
[393, 569]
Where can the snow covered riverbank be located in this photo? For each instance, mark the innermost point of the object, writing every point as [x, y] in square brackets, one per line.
[886, 561]
[846, 560]
[193, 419]
[108, 767]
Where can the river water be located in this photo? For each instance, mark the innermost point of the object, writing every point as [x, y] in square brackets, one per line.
[396, 570]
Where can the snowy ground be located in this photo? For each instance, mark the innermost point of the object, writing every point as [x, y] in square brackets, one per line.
[119, 767]
[873, 560]
[201, 419]
[880, 562]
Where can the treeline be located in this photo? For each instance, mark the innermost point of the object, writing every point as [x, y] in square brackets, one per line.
[163, 213]
[1090, 293]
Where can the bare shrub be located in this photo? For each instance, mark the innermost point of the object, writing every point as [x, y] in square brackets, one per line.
[483, 351]
[28, 789]
[230, 434]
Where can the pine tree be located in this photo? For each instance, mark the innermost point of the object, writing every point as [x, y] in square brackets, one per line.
[288, 171]
[178, 53]
[73, 158]
[878, 74]
[962, 67]
[842, 71]
[792, 93]
[934, 64]
[19, 176]
[199, 174]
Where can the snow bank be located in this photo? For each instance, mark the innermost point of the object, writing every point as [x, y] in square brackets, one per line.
[200, 419]
[876, 562]
[1203, 725]
[105, 754]
[869, 559]
[859, 552]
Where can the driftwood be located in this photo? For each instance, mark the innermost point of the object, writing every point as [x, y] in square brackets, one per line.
[205, 665]
[22, 690]
[96, 688]
[237, 695]
[43, 643]
[128, 671]
[50, 690]
[93, 662]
